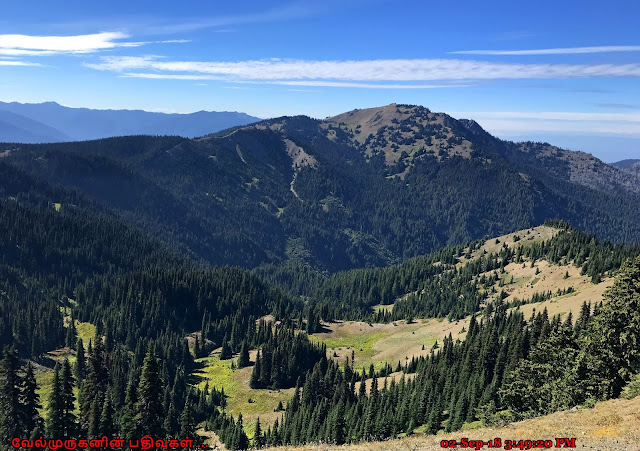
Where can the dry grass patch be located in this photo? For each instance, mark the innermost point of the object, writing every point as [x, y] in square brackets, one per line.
[380, 343]
[586, 425]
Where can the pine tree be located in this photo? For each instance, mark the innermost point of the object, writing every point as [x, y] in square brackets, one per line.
[149, 412]
[225, 353]
[10, 408]
[30, 404]
[196, 347]
[255, 374]
[127, 420]
[72, 334]
[68, 400]
[94, 388]
[107, 422]
[187, 425]
[171, 421]
[243, 358]
[240, 440]
[56, 426]
[340, 426]
[258, 438]
[79, 367]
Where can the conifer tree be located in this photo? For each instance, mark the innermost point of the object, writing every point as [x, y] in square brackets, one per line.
[149, 412]
[56, 426]
[243, 358]
[171, 421]
[72, 334]
[94, 388]
[187, 425]
[30, 404]
[255, 374]
[226, 352]
[107, 422]
[68, 400]
[79, 367]
[258, 438]
[240, 440]
[127, 421]
[10, 408]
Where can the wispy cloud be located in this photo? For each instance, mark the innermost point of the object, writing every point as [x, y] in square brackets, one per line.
[372, 74]
[16, 63]
[25, 45]
[340, 84]
[555, 51]
[553, 115]
[281, 13]
[621, 106]
[170, 76]
[515, 122]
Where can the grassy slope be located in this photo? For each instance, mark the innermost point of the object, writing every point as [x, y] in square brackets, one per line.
[611, 425]
[236, 386]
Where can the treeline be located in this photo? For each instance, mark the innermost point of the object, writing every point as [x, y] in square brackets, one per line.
[434, 286]
[457, 384]
[591, 362]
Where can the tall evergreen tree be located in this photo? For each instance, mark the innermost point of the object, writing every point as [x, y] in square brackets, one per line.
[243, 358]
[149, 411]
[68, 400]
[30, 404]
[79, 367]
[258, 438]
[127, 420]
[10, 408]
[187, 425]
[226, 352]
[56, 426]
[107, 422]
[94, 388]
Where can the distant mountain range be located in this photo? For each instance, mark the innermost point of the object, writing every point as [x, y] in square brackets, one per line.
[365, 188]
[51, 122]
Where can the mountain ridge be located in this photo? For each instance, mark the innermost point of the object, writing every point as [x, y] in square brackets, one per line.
[631, 166]
[317, 192]
[79, 124]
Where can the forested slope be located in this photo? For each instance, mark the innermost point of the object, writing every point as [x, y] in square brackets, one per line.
[357, 191]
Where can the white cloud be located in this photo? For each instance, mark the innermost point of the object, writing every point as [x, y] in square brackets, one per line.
[169, 76]
[390, 70]
[340, 84]
[519, 122]
[555, 51]
[290, 11]
[333, 84]
[506, 127]
[550, 115]
[20, 44]
[16, 63]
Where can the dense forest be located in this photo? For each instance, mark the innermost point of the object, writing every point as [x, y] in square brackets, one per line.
[243, 197]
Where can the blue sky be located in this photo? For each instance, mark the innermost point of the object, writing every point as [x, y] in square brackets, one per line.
[566, 72]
